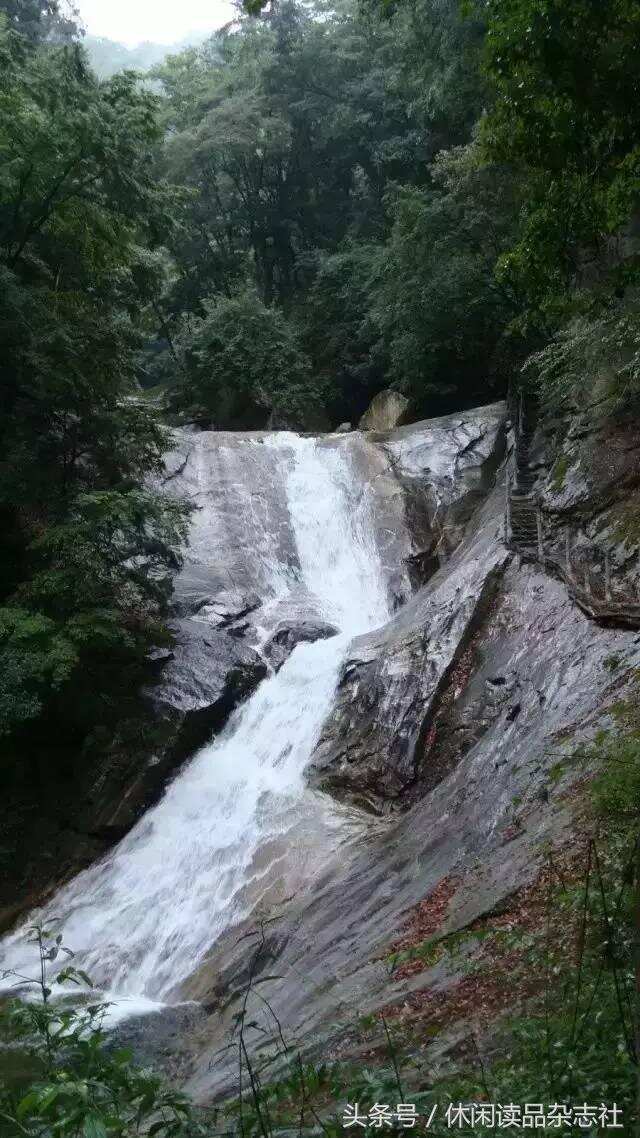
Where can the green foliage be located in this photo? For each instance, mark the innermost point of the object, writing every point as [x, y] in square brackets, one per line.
[243, 363]
[301, 136]
[36, 20]
[36, 657]
[441, 311]
[565, 73]
[616, 789]
[85, 551]
[559, 473]
[69, 1081]
[340, 331]
[597, 357]
[565, 118]
[112, 553]
[100, 580]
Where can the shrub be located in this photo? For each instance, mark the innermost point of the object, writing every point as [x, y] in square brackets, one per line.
[594, 359]
[243, 363]
[67, 1080]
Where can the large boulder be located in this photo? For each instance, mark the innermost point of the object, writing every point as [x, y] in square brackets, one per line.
[387, 410]
[289, 634]
[208, 673]
[446, 467]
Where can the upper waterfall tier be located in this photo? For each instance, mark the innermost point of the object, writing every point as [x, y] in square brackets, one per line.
[332, 519]
[413, 489]
[250, 492]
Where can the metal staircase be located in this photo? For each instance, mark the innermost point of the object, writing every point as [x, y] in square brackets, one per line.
[588, 577]
[523, 523]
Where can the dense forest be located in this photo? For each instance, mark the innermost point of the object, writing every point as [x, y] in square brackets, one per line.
[322, 201]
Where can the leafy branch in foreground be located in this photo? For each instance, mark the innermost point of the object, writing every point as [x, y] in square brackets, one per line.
[66, 1079]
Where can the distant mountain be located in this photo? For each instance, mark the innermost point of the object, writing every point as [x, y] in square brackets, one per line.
[107, 56]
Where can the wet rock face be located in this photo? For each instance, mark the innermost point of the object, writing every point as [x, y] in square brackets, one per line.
[208, 667]
[419, 484]
[491, 697]
[222, 611]
[455, 727]
[281, 644]
[446, 467]
[156, 1039]
[398, 726]
[240, 588]
[425, 480]
[240, 532]
[206, 675]
[392, 683]
[239, 591]
[585, 512]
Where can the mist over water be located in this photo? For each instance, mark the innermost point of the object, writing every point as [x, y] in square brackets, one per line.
[238, 815]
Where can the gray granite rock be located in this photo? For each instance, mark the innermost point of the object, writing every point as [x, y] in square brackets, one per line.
[282, 642]
[207, 674]
[489, 696]
[371, 745]
[387, 409]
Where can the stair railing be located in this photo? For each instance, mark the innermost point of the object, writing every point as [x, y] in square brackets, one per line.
[606, 604]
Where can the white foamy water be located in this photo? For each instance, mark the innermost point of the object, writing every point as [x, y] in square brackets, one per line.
[334, 535]
[237, 817]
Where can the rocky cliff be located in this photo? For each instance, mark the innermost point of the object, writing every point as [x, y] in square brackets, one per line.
[451, 761]
[456, 736]
[240, 608]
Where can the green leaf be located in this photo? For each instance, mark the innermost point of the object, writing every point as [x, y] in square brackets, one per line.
[93, 1127]
[27, 1104]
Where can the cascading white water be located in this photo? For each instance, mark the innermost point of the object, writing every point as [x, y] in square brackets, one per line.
[334, 535]
[141, 920]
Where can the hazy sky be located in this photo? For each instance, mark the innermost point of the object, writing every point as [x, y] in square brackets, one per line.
[162, 21]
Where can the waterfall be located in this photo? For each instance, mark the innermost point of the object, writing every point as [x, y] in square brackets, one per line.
[142, 919]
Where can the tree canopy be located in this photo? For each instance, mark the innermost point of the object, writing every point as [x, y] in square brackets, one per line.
[320, 201]
[87, 552]
[301, 137]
